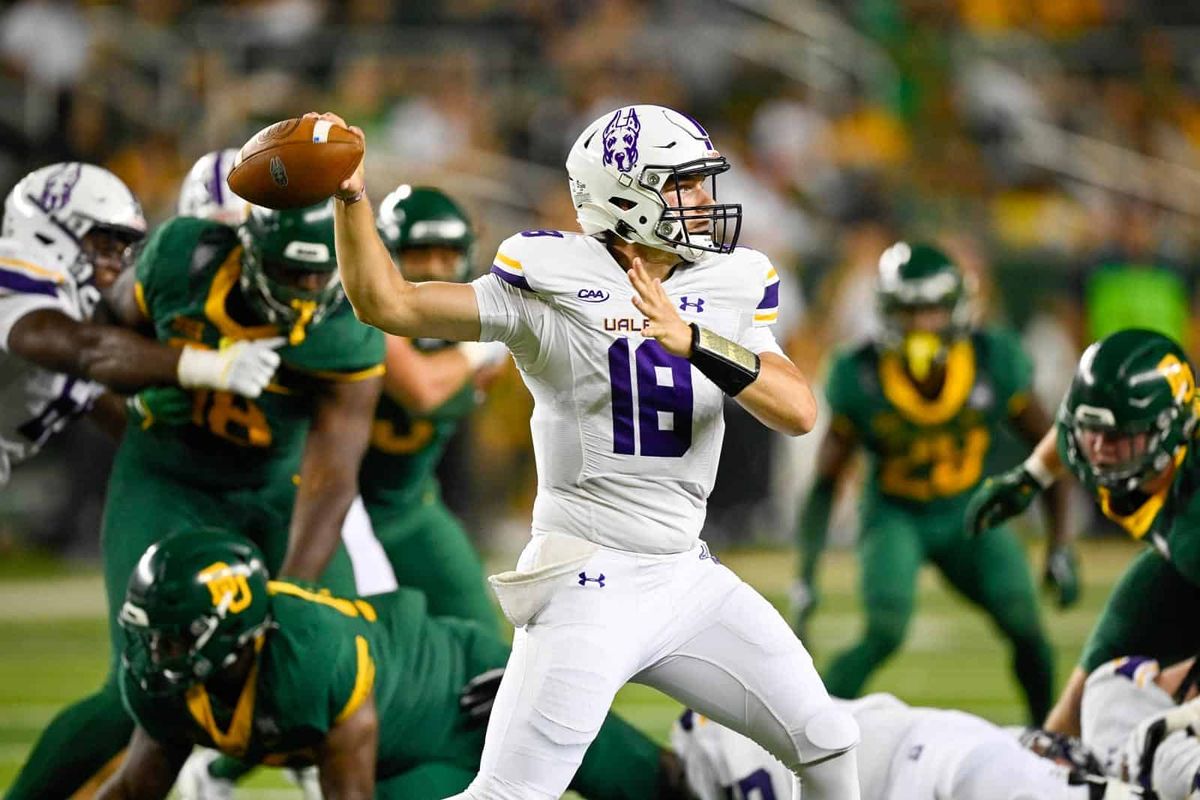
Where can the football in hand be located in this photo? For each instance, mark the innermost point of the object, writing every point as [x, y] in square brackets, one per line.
[295, 163]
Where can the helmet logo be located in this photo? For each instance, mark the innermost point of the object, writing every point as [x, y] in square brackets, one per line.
[228, 586]
[278, 173]
[59, 186]
[311, 252]
[1179, 376]
[620, 140]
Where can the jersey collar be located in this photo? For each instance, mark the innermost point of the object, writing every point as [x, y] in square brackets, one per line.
[236, 739]
[899, 389]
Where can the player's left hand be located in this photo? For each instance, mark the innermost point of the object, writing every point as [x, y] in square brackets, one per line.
[662, 320]
[1062, 575]
[477, 697]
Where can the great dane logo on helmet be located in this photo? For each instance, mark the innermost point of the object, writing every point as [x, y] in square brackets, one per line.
[621, 139]
[60, 183]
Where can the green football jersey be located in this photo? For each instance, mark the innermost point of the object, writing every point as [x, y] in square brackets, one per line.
[321, 658]
[188, 287]
[929, 453]
[398, 470]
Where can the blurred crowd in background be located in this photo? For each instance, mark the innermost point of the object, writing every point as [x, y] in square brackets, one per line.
[1052, 147]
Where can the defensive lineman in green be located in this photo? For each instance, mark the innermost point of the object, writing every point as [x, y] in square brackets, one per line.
[429, 387]
[282, 467]
[1126, 430]
[215, 654]
[926, 401]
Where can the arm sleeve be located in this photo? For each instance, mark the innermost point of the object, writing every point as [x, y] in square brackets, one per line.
[510, 314]
[766, 313]
[324, 697]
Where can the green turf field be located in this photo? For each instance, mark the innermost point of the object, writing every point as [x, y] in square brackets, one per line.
[53, 645]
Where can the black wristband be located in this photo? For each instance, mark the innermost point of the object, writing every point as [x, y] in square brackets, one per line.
[727, 364]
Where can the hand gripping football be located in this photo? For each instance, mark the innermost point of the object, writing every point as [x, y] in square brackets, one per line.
[295, 163]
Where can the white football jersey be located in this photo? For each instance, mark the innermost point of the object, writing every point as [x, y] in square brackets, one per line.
[36, 403]
[905, 753]
[626, 436]
[1118, 695]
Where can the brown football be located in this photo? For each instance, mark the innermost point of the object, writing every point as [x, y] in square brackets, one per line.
[295, 163]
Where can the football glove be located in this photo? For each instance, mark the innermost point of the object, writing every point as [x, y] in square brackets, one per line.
[159, 405]
[1149, 735]
[999, 498]
[476, 698]
[1062, 575]
[243, 367]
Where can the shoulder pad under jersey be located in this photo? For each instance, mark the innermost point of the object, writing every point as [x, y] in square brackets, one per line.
[23, 273]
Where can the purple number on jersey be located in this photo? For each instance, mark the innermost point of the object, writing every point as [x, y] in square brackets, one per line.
[534, 234]
[664, 400]
[759, 780]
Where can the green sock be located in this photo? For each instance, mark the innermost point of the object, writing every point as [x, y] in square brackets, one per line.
[77, 744]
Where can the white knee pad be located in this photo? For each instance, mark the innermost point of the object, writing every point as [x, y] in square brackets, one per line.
[828, 733]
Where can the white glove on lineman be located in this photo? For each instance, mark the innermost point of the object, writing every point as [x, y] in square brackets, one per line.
[483, 354]
[1145, 739]
[243, 367]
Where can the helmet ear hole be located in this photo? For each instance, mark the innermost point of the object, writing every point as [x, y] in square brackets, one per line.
[624, 203]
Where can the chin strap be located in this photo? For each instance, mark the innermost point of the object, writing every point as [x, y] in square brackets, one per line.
[305, 309]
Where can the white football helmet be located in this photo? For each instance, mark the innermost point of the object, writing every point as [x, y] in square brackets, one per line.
[52, 209]
[205, 192]
[619, 165]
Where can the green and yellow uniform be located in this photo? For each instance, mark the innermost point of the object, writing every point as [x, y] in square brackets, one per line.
[926, 455]
[414, 665]
[1139, 385]
[236, 462]
[425, 543]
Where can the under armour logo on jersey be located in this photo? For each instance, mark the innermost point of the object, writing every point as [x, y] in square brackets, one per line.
[685, 304]
[584, 580]
[705, 554]
[915, 752]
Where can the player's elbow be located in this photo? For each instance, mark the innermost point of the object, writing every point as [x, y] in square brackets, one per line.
[799, 415]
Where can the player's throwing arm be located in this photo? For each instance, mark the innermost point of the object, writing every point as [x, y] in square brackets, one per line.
[379, 293]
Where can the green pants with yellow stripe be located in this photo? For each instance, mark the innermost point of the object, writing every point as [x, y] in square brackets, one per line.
[142, 507]
[990, 571]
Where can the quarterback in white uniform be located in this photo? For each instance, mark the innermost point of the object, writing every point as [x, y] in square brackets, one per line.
[906, 753]
[67, 236]
[628, 336]
[1131, 719]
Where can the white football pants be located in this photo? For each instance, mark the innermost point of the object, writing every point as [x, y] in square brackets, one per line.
[681, 623]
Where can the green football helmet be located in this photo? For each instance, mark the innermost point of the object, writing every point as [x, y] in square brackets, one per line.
[278, 243]
[914, 278]
[1130, 411]
[421, 216]
[195, 599]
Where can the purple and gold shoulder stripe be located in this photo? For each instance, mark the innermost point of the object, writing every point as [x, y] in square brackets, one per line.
[23, 277]
[767, 311]
[510, 270]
